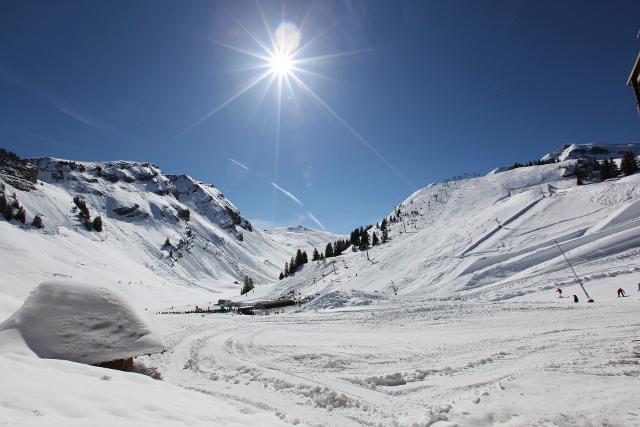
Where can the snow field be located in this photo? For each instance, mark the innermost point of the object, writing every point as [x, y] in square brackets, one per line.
[411, 362]
[58, 393]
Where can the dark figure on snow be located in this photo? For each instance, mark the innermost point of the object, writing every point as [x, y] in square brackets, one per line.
[620, 292]
[575, 298]
[559, 291]
[638, 287]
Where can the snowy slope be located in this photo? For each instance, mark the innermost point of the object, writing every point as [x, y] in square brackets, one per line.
[475, 336]
[492, 238]
[140, 207]
[302, 237]
[595, 151]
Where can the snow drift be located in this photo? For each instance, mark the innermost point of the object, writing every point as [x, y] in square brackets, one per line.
[83, 323]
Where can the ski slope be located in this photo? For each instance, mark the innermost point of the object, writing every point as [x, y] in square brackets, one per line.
[493, 238]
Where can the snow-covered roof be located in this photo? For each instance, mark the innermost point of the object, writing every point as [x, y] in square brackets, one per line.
[83, 323]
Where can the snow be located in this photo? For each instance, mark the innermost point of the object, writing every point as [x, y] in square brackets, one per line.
[60, 393]
[454, 321]
[594, 150]
[303, 238]
[492, 238]
[83, 323]
[206, 259]
[412, 361]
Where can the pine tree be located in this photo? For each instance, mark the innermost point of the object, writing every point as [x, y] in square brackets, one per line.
[299, 260]
[615, 170]
[385, 236]
[97, 224]
[364, 241]
[247, 286]
[286, 269]
[605, 170]
[37, 222]
[328, 252]
[293, 267]
[3, 203]
[383, 224]
[82, 207]
[167, 243]
[374, 239]
[355, 238]
[8, 213]
[281, 275]
[21, 215]
[578, 173]
[628, 165]
[305, 258]
[184, 214]
[315, 256]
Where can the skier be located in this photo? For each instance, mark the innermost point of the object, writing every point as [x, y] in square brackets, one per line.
[575, 298]
[620, 292]
[559, 291]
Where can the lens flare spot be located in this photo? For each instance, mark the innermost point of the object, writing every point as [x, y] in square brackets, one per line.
[287, 38]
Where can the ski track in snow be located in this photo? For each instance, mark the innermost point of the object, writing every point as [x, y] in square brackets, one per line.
[405, 362]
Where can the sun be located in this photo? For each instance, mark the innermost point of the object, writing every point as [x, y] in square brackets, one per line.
[281, 64]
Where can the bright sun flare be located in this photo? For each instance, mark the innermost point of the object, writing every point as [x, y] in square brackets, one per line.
[284, 65]
[281, 64]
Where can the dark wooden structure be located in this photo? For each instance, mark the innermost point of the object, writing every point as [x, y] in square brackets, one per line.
[272, 307]
[634, 79]
[120, 364]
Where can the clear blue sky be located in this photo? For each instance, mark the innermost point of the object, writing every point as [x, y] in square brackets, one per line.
[425, 89]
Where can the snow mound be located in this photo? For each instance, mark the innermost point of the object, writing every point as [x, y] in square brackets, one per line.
[83, 323]
[341, 298]
[59, 393]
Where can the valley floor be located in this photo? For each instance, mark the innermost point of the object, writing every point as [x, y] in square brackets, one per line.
[407, 362]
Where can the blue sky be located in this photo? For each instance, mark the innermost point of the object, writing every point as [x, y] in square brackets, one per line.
[420, 91]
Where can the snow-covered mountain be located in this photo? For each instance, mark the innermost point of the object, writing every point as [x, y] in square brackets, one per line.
[436, 344]
[211, 246]
[491, 237]
[301, 237]
[594, 151]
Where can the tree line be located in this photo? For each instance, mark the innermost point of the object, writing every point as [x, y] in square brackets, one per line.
[607, 169]
[12, 209]
[359, 239]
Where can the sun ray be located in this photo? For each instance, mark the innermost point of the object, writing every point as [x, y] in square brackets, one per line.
[274, 46]
[293, 96]
[272, 77]
[314, 74]
[239, 49]
[352, 130]
[277, 144]
[281, 61]
[259, 42]
[331, 56]
[223, 104]
[303, 23]
[315, 38]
